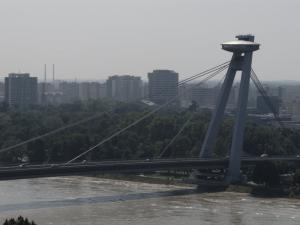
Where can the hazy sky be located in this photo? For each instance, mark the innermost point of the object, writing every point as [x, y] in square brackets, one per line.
[92, 39]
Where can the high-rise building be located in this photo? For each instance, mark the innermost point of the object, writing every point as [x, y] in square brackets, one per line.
[205, 97]
[2, 91]
[102, 90]
[295, 110]
[45, 89]
[163, 85]
[145, 90]
[94, 90]
[90, 90]
[84, 91]
[21, 89]
[264, 108]
[70, 91]
[124, 88]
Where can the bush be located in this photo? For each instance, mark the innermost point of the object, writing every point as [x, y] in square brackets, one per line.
[19, 221]
[266, 173]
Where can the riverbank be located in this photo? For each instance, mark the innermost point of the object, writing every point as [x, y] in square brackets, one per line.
[166, 180]
[148, 178]
[179, 180]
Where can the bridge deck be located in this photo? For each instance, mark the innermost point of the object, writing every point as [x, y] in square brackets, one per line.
[50, 170]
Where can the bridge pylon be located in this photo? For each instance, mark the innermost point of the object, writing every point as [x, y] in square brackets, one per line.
[241, 60]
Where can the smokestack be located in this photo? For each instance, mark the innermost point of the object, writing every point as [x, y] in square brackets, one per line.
[44, 85]
[45, 73]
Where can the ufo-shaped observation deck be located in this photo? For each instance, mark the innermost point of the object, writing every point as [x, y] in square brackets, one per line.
[240, 46]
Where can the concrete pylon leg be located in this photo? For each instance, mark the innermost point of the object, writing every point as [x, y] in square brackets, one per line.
[212, 132]
[234, 175]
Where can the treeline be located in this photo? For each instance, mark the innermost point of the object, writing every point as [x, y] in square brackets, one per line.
[19, 221]
[145, 140]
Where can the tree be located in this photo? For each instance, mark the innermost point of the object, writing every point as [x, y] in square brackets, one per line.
[162, 128]
[19, 221]
[36, 151]
[267, 173]
[144, 140]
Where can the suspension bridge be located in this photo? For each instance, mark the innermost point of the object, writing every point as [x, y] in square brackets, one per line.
[242, 52]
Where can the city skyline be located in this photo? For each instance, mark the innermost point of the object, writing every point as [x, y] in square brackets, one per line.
[87, 41]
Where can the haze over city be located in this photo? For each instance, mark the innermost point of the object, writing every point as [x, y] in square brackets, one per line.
[142, 112]
[95, 39]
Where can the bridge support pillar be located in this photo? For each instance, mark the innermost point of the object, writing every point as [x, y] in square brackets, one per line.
[234, 175]
[217, 117]
[242, 50]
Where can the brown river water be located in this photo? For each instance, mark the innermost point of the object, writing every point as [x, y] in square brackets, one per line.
[95, 201]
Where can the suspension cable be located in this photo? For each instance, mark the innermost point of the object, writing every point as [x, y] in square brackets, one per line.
[55, 131]
[182, 128]
[204, 72]
[265, 96]
[218, 70]
[267, 100]
[176, 136]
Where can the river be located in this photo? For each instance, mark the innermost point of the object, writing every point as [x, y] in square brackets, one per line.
[95, 201]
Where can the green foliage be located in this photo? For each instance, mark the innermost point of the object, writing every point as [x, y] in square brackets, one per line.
[19, 221]
[266, 173]
[145, 140]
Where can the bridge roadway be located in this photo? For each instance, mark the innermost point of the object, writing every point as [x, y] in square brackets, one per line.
[51, 170]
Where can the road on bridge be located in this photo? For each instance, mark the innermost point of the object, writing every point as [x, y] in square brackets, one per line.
[50, 170]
